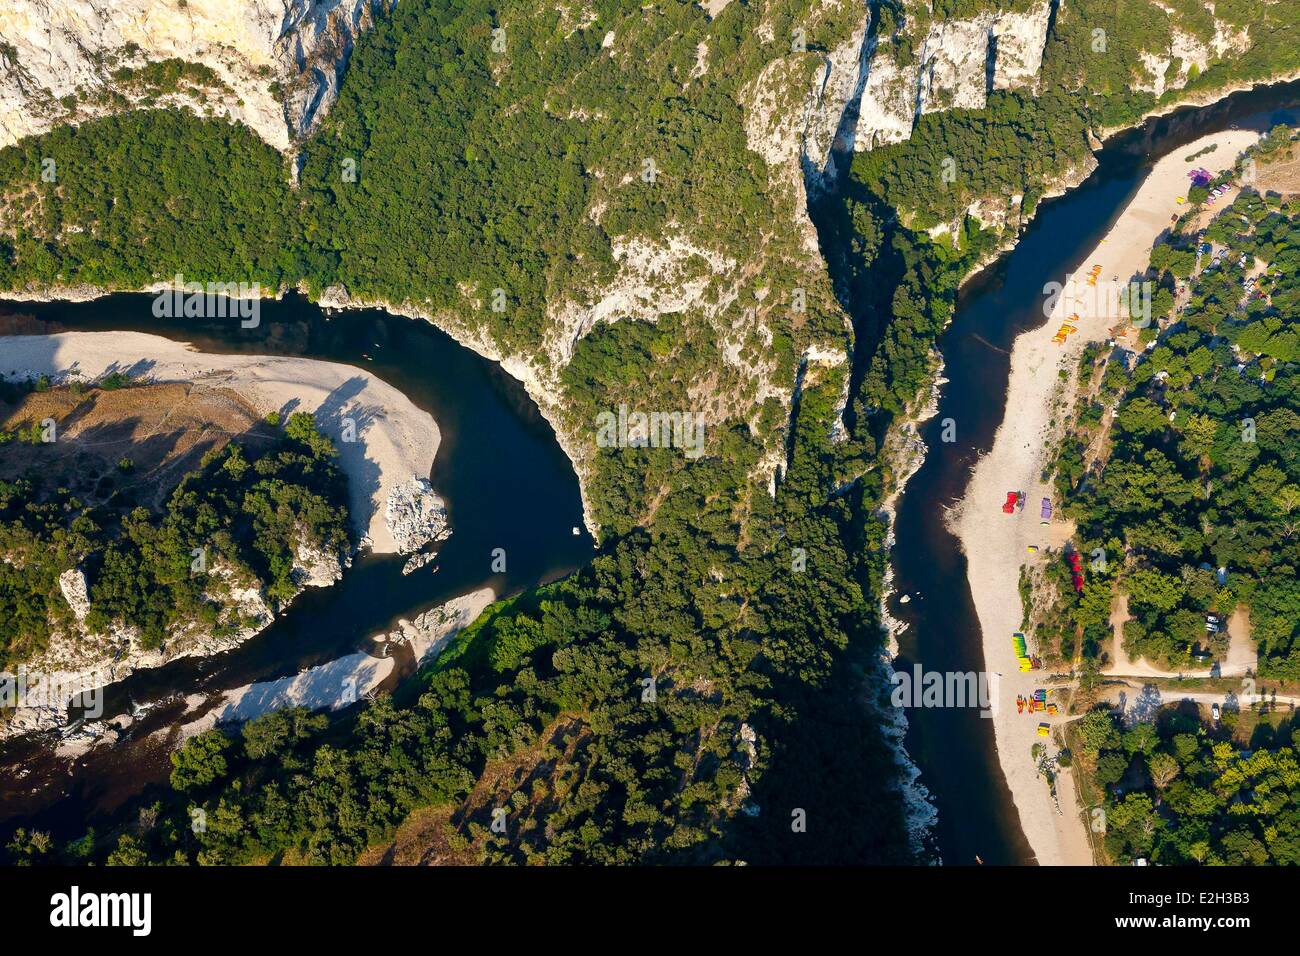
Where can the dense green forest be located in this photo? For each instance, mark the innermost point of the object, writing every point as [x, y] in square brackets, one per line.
[749, 613]
[734, 635]
[1179, 793]
[1202, 471]
[247, 508]
[660, 779]
[713, 672]
[1182, 466]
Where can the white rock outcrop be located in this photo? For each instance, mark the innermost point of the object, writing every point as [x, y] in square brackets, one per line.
[653, 279]
[343, 681]
[72, 584]
[77, 662]
[955, 65]
[315, 567]
[953, 72]
[1171, 69]
[841, 84]
[277, 63]
[1020, 40]
[888, 108]
[415, 515]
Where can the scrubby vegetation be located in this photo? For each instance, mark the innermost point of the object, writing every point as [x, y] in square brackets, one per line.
[241, 516]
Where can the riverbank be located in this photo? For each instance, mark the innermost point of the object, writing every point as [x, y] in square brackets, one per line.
[331, 686]
[540, 384]
[344, 680]
[383, 439]
[996, 544]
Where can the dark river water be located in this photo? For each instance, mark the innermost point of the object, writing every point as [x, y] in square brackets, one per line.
[508, 485]
[954, 747]
[506, 482]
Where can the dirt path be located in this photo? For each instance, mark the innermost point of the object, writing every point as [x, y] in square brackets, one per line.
[1242, 653]
[1241, 658]
[996, 543]
[1141, 701]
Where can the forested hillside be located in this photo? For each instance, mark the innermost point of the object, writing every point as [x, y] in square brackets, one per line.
[250, 510]
[603, 198]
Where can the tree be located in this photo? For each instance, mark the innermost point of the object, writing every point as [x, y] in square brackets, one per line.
[1111, 767]
[1150, 586]
[1097, 732]
[1141, 416]
[1198, 437]
[200, 762]
[1163, 769]
[276, 732]
[128, 852]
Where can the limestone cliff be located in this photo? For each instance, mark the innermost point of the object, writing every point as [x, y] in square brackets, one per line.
[274, 65]
[78, 659]
[947, 64]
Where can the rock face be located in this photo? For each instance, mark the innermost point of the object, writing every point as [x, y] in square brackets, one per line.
[430, 632]
[72, 583]
[869, 90]
[415, 515]
[957, 63]
[78, 661]
[272, 64]
[1189, 52]
[653, 279]
[316, 568]
[841, 84]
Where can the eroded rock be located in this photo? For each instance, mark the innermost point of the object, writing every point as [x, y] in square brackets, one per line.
[274, 65]
[415, 515]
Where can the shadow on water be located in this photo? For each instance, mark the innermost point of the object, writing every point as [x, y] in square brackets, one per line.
[506, 482]
[954, 747]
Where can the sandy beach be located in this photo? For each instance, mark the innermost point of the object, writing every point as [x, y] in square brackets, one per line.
[344, 680]
[394, 440]
[996, 543]
[330, 686]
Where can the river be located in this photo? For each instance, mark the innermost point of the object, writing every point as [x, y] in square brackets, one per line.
[954, 747]
[506, 482]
